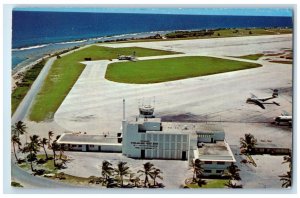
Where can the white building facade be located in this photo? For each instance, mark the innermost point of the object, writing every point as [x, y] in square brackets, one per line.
[144, 139]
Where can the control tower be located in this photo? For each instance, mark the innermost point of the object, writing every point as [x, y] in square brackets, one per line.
[146, 111]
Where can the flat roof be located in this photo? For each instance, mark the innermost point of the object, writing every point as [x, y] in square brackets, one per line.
[219, 151]
[144, 120]
[269, 145]
[75, 138]
[191, 127]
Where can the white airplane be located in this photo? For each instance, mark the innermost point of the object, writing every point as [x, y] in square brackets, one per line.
[261, 101]
[285, 118]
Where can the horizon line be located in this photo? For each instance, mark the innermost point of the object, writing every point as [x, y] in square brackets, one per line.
[268, 12]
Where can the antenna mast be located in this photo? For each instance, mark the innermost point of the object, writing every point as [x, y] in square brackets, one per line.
[124, 110]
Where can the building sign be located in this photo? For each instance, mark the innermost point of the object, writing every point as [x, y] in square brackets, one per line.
[145, 144]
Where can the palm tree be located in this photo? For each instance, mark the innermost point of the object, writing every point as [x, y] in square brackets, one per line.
[156, 174]
[61, 151]
[43, 142]
[33, 147]
[122, 170]
[248, 143]
[135, 180]
[198, 173]
[107, 170]
[54, 147]
[230, 184]
[198, 170]
[148, 169]
[15, 141]
[232, 172]
[19, 128]
[50, 135]
[286, 179]
[288, 159]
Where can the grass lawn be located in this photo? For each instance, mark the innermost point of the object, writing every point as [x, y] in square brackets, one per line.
[222, 33]
[16, 184]
[161, 70]
[213, 183]
[251, 32]
[65, 72]
[20, 92]
[49, 167]
[251, 56]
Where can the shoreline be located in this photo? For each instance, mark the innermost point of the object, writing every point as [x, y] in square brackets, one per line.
[53, 47]
[19, 71]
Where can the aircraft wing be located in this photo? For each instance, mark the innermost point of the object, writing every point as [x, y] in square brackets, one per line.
[265, 99]
[259, 104]
[252, 95]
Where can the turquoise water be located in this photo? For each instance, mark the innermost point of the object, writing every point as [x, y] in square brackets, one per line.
[36, 34]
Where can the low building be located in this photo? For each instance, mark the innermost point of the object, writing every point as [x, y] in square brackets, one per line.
[272, 149]
[84, 142]
[215, 157]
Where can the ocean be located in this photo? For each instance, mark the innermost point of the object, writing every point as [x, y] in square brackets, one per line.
[35, 34]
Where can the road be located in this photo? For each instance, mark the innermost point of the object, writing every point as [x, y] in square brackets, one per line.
[33, 181]
[26, 103]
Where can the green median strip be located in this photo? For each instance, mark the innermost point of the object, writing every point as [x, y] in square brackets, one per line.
[66, 70]
[169, 69]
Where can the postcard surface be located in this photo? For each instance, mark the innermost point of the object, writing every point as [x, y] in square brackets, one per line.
[162, 98]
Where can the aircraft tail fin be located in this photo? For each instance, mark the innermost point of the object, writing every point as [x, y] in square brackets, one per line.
[275, 93]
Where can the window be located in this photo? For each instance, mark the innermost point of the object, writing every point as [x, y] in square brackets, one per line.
[161, 138]
[149, 137]
[178, 138]
[79, 146]
[172, 146]
[161, 153]
[73, 145]
[148, 154]
[221, 163]
[178, 146]
[167, 154]
[161, 145]
[92, 146]
[154, 153]
[167, 138]
[207, 171]
[208, 162]
[154, 137]
[167, 145]
[173, 138]
[173, 154]
[219, 171]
